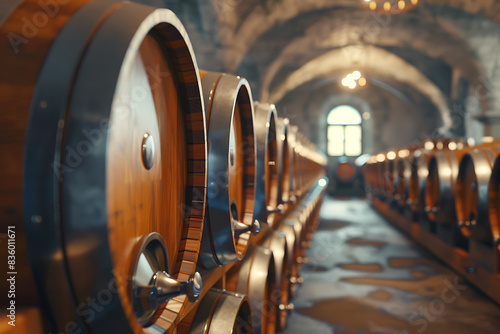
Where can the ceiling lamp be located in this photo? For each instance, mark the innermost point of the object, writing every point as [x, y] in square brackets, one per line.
[353, 80]
[389, 6]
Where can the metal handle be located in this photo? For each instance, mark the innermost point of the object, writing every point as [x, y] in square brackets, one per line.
[431, 210]
[241, 228]
[279, 209]
[296, 280]
[164, 288]
[288, 307]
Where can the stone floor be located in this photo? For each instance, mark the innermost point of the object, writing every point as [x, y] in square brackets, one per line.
[364, 276]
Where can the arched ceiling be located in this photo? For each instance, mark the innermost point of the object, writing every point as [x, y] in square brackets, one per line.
[302, 39]
[436, 50]
[379, 63]
[243, 22]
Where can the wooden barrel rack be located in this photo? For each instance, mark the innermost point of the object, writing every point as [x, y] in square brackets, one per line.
[147, 196]
[452, 207]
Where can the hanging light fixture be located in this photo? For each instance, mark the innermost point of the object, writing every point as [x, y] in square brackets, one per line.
[389, 6]
[353, 80]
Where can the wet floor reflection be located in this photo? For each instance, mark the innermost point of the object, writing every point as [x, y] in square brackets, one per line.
[364, 276]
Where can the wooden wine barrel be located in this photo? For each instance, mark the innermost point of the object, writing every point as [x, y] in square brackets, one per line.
[277, 243]
[256, 278]
[472, 193]
[402, 181]
[494, 205]
[25, 44]
[310, 165]
[223, 312]
[285, 168]
[419, 172]
[440, 186]
[292, 229]
[231, 169]
[345, 172]
[420, 159]
[292, 145]
[389, 176]
[381, 176]
[369, 170]
[303, 231]
[114, 149]
[301, 164]
[267, 166]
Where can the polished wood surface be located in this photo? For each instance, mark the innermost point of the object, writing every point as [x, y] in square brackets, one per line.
[141, 201]
[236, 170]
[472, 193]
[23, 48]
[230, 126]
[169, 198]
[271, 161]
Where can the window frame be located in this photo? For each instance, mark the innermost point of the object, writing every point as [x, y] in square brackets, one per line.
[344, 126]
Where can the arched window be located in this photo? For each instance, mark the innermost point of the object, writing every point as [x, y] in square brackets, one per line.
[344, 131]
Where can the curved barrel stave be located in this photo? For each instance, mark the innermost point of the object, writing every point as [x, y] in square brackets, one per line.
[223, 312]
[473, 191]
[256, 278]
[266, 207]
[231, 169]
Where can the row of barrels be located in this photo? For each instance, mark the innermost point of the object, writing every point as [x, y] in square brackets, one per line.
[127, 172]
[452, 189]
[264, 283]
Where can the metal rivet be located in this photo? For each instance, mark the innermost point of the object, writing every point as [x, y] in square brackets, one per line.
[148, 151]
[36, 219]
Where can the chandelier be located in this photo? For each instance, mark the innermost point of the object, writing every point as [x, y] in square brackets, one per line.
[353, 80]
[389, 6]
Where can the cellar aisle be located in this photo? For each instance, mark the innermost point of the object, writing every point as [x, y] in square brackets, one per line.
[364, 276]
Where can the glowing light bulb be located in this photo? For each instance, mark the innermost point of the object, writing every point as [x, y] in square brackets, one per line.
[401, 4]
[487, 139]
[373, 5]
[362, 82]
[356, 75]
[387, 6]
[429, 145]
[391, 155]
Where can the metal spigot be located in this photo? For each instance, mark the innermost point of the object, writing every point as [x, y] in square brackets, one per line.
[296, 280]
[164, 288]
[280, 209]
[241, 228]
[288, 307]
[431, 210]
